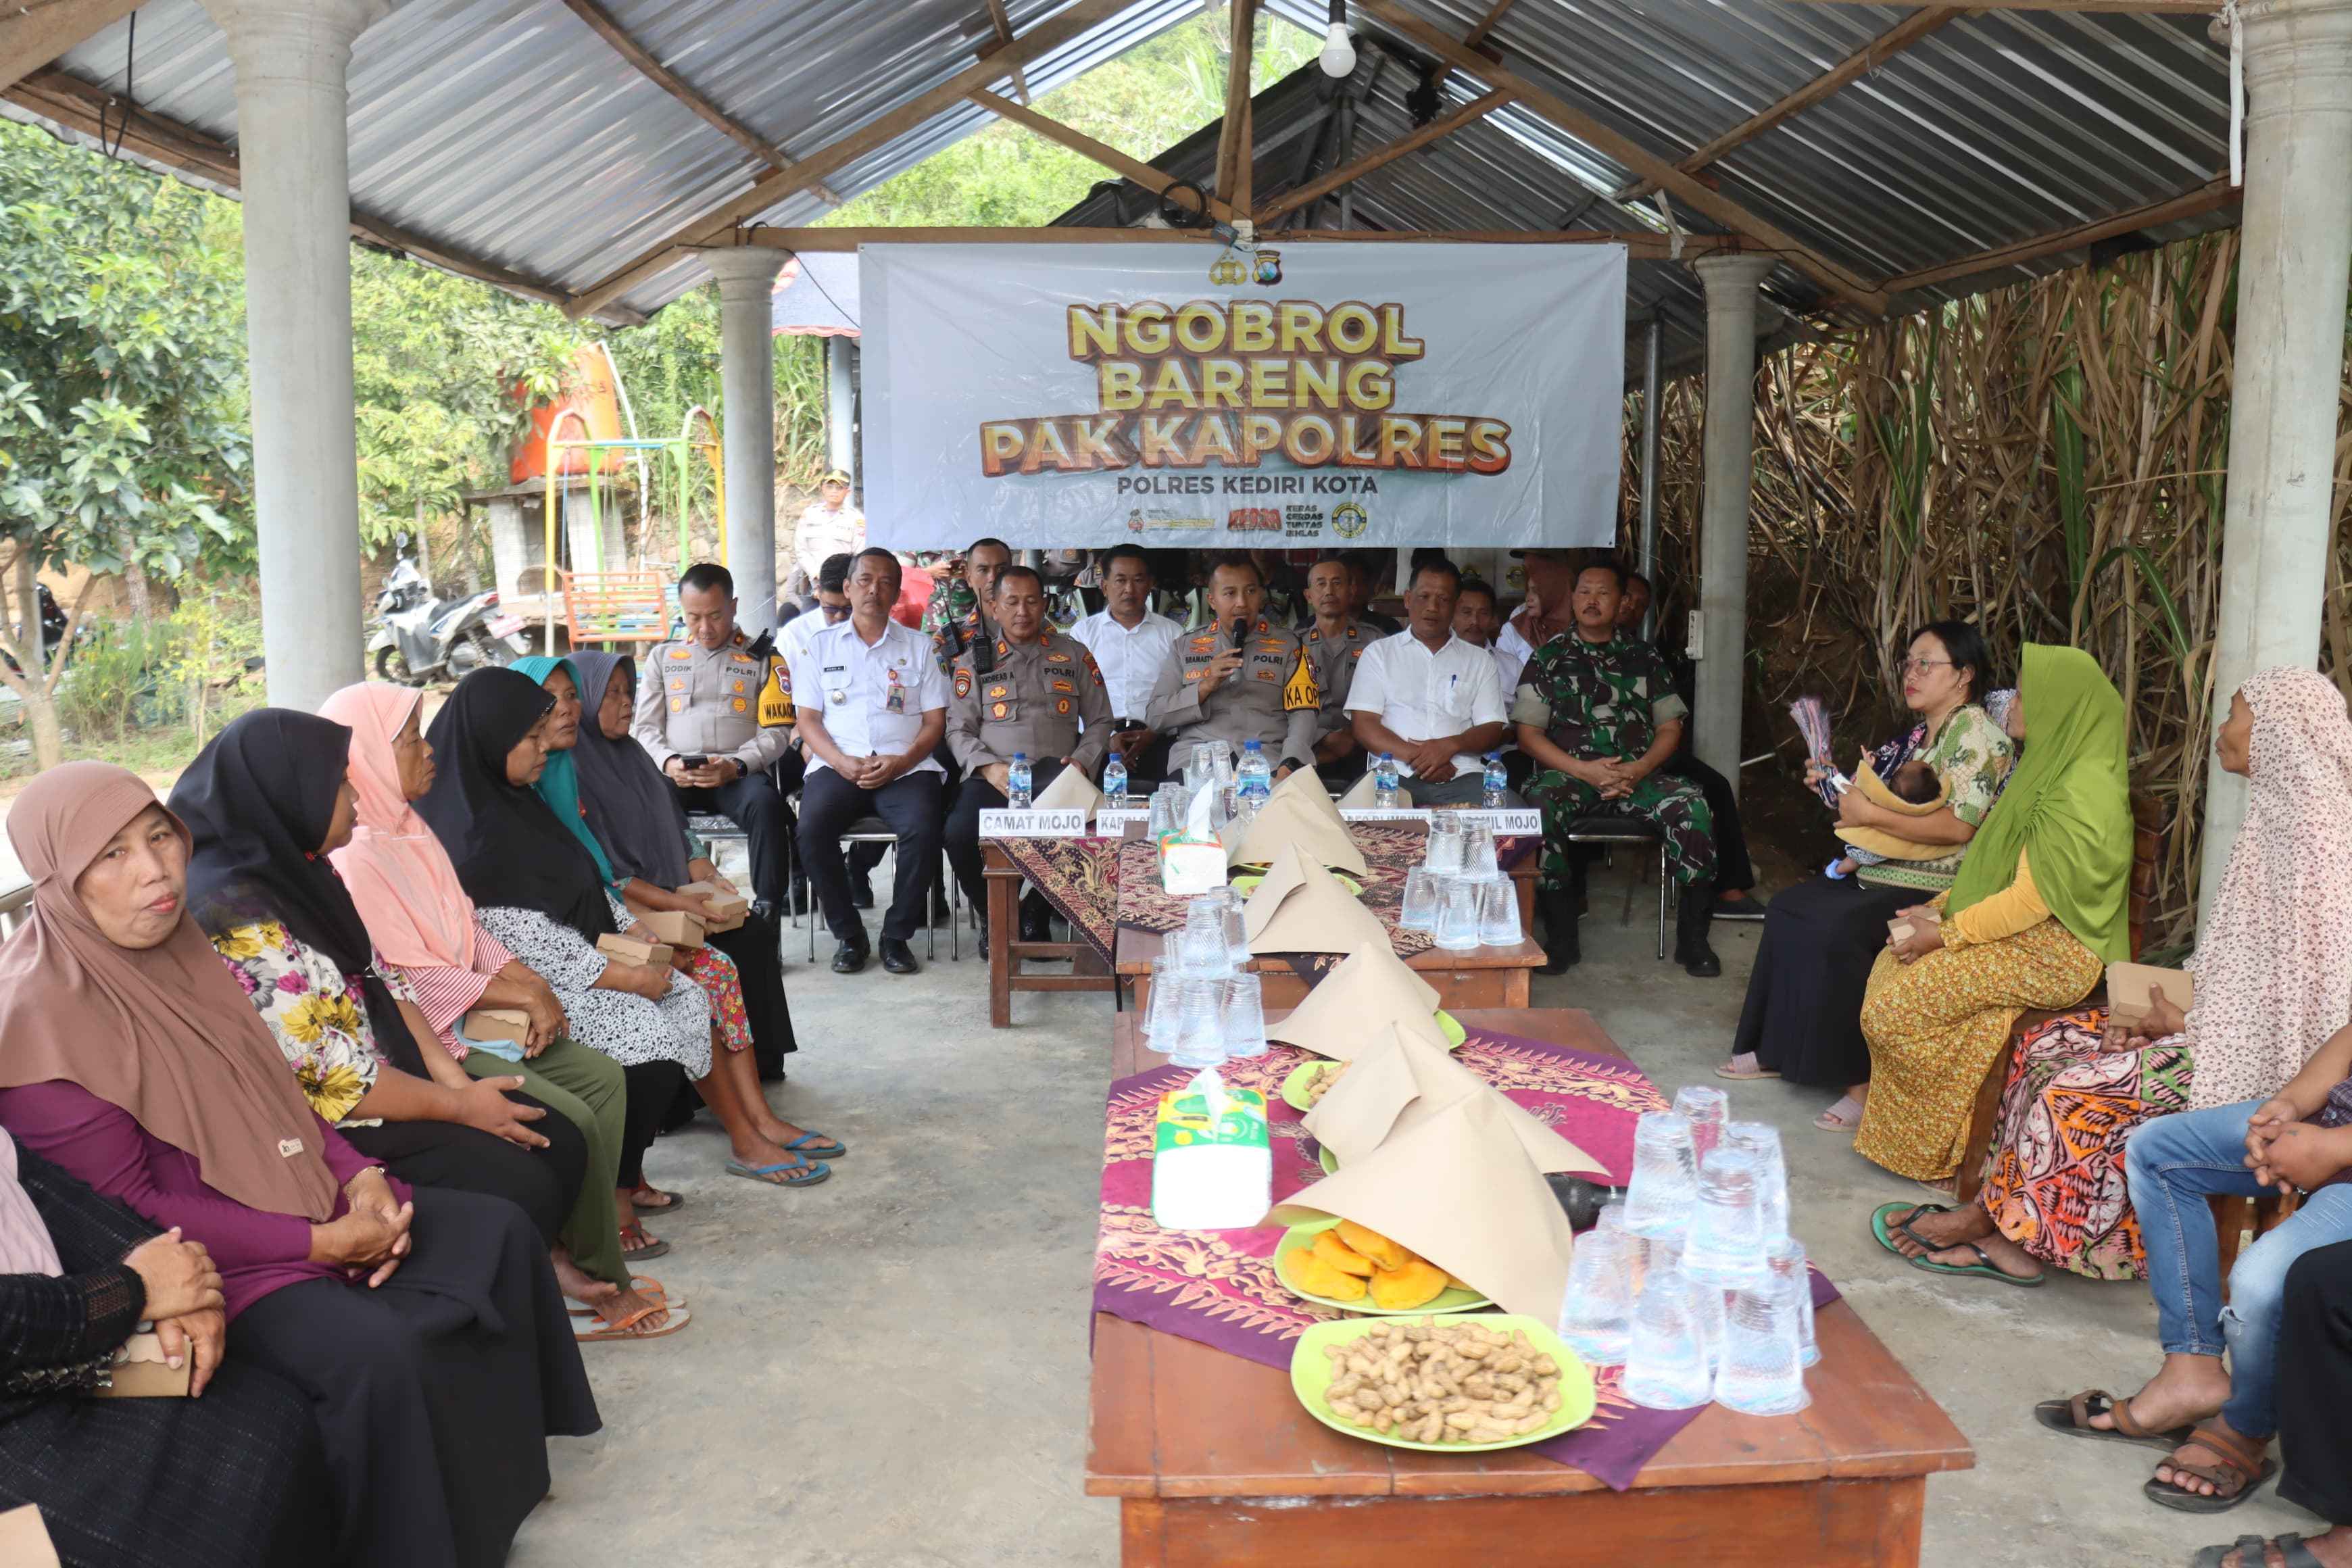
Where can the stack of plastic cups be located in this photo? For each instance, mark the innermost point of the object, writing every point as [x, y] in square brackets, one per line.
[1458, 913]
[1419, 911]
[1242, 1020]
[1725, 1244]
[1665, 1184]
[1786, 1258]
[1228, 905]
[1762, 1140]
[1198, 1021]
[1708, 1108]
[1595, 1313]
[1206, 947]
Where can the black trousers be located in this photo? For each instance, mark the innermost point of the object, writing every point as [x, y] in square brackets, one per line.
[963, 826]
[754, 803]
[652, 1089]
[2314, 1390]
[436, 1392]
[759, 965]
[1733, 872]
[909, 805]
[542, 1183]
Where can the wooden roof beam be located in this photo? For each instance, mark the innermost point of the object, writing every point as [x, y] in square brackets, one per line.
[1004, 20]
[605, 25]
[1412, 142]
[1153, 179]
[1855, 65]
[35, 35]
[1643, 244]
[1684, 188]
[1475, 38]
[2209, 197]
[1235, 141]
[69, 102]
[712, 227]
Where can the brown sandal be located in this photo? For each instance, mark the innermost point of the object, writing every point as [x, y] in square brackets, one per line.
[631, 1327]
[2240, 1468]
[2072, 1417]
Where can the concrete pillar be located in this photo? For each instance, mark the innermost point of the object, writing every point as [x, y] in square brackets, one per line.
[293, 147]
[1729, 455]
[747, 378]
[2295, 243]
[841, 406]
[1653, 349]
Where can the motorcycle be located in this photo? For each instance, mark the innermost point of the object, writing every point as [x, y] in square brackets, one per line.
[420, 636]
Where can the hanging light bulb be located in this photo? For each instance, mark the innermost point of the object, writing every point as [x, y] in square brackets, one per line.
[1339, 57]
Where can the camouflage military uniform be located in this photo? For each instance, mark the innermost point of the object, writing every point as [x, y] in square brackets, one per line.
[1596, 701]
[951, 620]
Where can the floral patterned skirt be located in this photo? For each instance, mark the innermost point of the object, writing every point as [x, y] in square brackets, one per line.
[2055, 1181]
[715, 972]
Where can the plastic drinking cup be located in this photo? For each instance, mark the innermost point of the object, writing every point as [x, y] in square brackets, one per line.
[1786, 1258]
[1666, 1357]
[1457, 914]
[1761, 1373]
[1243, 1023]
[1444, 855]
[1199, 1037]
[1419, 911]
[1665, 1184]
[1725, 1244]
[1763, 1141]
[1708, 1108]
[1595, 1312]
[1158, 1019]
[1498, 912]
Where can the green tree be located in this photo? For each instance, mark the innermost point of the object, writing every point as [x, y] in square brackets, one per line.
[122, 416]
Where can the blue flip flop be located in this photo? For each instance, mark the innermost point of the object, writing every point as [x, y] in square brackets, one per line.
[810, 1174]
[834, 1148]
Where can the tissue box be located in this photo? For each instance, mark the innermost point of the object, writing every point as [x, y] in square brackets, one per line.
[139, 1372]
[2131, 988]
[1186, 868]
[498, 1024]
[729, 908]
[637, 950]
[674, 927]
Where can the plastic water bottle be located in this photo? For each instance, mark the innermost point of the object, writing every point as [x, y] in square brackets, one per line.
[1017, 793]
[1255, 780]
[1384, 781]
[1497, 781]
[1114, 782]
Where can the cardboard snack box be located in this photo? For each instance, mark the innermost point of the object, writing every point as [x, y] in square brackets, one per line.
[2131, 989]
[139, 1372]
[730, 909]
[637, 950]
[674, 927]
[498, 1024]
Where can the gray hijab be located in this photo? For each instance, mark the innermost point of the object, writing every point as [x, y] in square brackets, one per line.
[630, 808]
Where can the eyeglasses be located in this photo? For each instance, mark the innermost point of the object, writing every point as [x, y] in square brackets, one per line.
[1922, 666]
[834, 612]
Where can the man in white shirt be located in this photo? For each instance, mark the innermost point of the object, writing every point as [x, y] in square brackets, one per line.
[832, 608]
[830, 526]
[872, 703]
[1430, 699]
[1477, 620]
[1130, 646]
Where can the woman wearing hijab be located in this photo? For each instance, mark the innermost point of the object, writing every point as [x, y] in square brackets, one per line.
[600, 759]
[266, 803]
[539, 891]
[2274, 976]
[227, 1478]
[426, 1331]
[2032, 919]
[423, 929]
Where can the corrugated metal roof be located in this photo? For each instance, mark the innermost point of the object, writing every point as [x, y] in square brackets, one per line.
[506, 130]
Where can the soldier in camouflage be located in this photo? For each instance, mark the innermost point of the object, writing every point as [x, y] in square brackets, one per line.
[1597, 711]
[952, 617]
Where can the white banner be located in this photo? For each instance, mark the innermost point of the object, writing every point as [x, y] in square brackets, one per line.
[1179, 395]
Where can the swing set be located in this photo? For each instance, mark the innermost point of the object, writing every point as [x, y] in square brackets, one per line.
[627, 605]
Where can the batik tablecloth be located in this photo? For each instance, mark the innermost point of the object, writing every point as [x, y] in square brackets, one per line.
[1390, 850]
[1079, 876]
[1218, 1286]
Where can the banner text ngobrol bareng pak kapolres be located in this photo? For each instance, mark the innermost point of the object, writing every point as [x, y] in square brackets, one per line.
[1230, 382]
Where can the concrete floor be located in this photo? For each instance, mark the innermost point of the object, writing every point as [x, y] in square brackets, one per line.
[889, 1371]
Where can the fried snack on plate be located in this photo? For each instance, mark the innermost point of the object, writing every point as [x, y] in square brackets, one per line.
[1340, 1255]
[1317, 1276]
[1384, 1253]
[1320, 1084]
[1415, 1285]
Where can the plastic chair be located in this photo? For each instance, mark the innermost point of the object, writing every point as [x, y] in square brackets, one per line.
[1614, 830]
[873, 830]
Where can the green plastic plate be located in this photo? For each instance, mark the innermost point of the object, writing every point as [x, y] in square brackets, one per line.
[1310, 1376]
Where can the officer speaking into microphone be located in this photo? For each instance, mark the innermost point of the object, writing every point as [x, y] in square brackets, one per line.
[1241, 678]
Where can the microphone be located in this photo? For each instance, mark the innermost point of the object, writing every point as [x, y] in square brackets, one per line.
[1239, 630]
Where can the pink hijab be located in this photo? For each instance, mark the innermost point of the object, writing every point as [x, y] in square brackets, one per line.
[2274, 969]
[397, 871]
[24, 1245]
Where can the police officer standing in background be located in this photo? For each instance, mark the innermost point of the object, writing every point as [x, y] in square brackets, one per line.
[1335, 640]
[872, 703]
[714, 712]
[1241, 678]
[1027, 692]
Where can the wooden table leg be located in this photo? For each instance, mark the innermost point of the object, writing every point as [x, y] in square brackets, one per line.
[1140, 1522]
[999, 956]
[1515, 987]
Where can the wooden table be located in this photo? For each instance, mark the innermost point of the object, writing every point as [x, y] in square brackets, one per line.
[1006, 951]
[1214, 1463]
[1478, 977]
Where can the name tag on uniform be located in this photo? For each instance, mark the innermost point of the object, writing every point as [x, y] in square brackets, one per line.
[1064, 823]
[1382, 814]
[288, 1147]
[894, 700]
[1506, 823]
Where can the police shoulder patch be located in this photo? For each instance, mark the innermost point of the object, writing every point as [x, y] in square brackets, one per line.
[963, 683]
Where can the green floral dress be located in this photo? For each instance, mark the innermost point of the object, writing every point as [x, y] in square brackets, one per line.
[1971, 757]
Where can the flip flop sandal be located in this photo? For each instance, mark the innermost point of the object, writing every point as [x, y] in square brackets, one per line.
[2072, 1418]
[2239, 1470]
[1984, 1268]
[648, 1249]
[1736, 1075]
[834, 1148]
[645, 1285]
[628, 1328]
[670, 1202]
[810, 1174]
[1829, 1121]
[2249, 1549]
[1882, 1229]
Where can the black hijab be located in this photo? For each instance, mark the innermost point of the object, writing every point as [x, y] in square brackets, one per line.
[632, 809]
[258, 802]
[510, 850]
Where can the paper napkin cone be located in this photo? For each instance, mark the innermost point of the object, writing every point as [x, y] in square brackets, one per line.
[1361, 793]
[1293, 821]
[1459, 1190]
[1347, 1007]
[1306, 786]
[25, 1541]
[1311, 913]
[1402, 1081]
[1070, 788]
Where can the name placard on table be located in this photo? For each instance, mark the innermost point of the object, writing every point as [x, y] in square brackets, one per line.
[1068, 823]
[1110, 821]
[1506, 823]
[1383, 813]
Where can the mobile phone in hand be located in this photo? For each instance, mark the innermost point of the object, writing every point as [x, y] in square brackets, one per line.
[694, 763]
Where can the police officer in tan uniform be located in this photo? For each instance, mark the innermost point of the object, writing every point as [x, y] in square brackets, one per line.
[715, 712]
[1240, 679]
[1031, 691]
[1335, 640]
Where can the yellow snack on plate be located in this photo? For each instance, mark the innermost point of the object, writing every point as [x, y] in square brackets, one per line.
[1401, 1290]
[1341, 1256]
[1383, 1252]
[1316, 1276]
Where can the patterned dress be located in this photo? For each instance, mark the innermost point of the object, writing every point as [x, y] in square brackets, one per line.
[317, 1016]
[1596, 700]
[1970, 757]
[2054, 1180]
[626, 1027]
